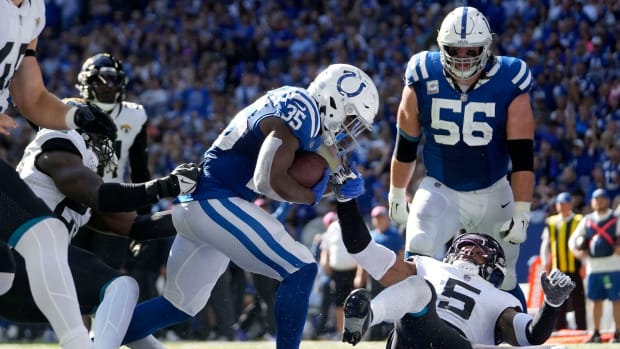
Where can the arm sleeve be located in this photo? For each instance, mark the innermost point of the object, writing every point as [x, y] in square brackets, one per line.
[125, 197]
[355, 234]
[540, 329]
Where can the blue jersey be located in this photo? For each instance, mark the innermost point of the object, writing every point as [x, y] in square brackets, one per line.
[465, 146]
[228, 165]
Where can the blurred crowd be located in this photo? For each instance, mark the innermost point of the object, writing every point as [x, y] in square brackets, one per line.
[193, 64]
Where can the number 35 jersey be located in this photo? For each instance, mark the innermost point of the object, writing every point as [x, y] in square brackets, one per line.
[72, 213]
[465, 133]
[228, 165]
[469, 303]
[18, 27]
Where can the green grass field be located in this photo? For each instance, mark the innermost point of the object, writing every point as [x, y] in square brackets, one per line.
[271, 345]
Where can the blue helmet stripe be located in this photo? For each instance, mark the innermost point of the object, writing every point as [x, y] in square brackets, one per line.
[464, 23]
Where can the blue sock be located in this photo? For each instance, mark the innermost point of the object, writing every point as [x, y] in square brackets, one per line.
[153, 315]
[518, 292]
[291, 306]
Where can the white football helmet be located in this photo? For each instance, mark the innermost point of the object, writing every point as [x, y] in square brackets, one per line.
[464, 27]
[348, 102]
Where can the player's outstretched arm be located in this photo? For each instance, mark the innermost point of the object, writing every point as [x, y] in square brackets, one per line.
[43, 108]
[380, 262]
[32, 98]
[83, 185]
[521, 329]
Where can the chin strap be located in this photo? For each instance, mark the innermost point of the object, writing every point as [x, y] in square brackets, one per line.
[106, 107]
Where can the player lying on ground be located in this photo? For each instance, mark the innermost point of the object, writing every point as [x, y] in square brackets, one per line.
[451, 304]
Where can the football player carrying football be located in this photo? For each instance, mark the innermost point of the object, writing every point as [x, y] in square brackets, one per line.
[219, 221]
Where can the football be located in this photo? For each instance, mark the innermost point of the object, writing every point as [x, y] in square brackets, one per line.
[307, 168]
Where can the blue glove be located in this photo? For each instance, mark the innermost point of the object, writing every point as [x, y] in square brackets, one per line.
[321, 186]
[353, 185]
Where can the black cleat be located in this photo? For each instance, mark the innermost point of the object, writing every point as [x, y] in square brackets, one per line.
[357, 315]
[595, 338]
[616, 338]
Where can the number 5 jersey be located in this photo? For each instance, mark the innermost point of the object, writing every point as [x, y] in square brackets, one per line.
[469, 303]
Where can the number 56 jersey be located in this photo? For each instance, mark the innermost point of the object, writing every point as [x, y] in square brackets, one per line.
[228, 165]
[469, 303]
[466, 131]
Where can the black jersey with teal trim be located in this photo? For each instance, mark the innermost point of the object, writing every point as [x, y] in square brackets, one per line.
[228, 165]
[465, 146]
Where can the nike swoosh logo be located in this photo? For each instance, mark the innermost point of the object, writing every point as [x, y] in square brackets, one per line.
[506, 204]
[186, 182]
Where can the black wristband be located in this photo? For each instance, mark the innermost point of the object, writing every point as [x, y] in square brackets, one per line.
[152, 226]
[522, 154]
[30, 53]
[125, 197]
[406, 148]
[355, 234]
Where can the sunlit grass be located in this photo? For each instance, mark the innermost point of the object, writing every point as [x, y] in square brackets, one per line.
[269, 345]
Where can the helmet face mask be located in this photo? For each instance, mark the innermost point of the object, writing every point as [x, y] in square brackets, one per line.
[102, 146]
[102, 81]
[478, 254]
[464, 27]
[348, 102]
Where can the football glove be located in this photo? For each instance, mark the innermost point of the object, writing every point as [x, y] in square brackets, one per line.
[514, 231]
[557, 287]
[348, 183]
[91, 119]
[319, 188]
[399, 207]
[182, 180]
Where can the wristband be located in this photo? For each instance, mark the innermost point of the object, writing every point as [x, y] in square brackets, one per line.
[522, 207]
[396, 191]
[70, 119]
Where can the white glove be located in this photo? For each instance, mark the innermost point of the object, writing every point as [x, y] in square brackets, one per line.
[557, 287]
[399, 207]
[514, 231]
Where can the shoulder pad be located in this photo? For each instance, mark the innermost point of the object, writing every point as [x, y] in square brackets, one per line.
[417, 68]
[517, 72]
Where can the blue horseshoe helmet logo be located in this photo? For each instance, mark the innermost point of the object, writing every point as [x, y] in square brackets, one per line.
[349, 74]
